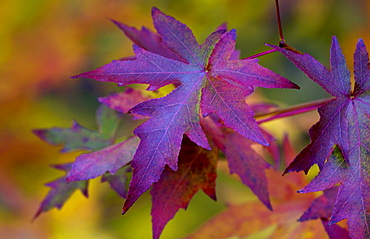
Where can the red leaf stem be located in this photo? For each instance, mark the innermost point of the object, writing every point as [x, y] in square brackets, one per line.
[294, 110]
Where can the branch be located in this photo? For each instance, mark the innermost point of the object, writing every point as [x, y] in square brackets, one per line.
[280, 28]
[294, 110]
[261, 54]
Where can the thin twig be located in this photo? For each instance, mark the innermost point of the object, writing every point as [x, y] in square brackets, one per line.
[261, 54]
[294, 110]
[280, 28]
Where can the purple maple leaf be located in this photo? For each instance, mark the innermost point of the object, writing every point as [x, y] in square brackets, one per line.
[352, 198]
[322, 206]
[343, 133]
[109, 159]
[207, 80]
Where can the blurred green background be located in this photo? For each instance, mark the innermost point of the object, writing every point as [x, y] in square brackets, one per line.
[44, 42]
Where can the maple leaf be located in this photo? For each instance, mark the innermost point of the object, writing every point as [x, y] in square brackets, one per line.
[350, 202]
[244, 220]
[341, 133]
[321, 208]
[242, 159]
[109, 159]
[175, 189]
[60, 191]
[91, 165]
[255, 220]
[206, 80]
[79, 137]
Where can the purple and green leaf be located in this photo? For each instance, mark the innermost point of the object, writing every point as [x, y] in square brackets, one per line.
[91, 165]
[60, 191]
[340, 142]
[78, 137]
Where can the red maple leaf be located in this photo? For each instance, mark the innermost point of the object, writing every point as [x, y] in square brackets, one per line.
[175, 189]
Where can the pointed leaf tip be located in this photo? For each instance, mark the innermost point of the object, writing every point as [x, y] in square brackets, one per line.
[155, 10]
[232, 32]
[334, 40]
[157, 13]
[40, 133]
[77, 76]
[223, 26]
[117, 23]
[360, 42]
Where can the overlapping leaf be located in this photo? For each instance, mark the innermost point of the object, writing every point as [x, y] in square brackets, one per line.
[352, 199]
[88, 165]
[242, 159]
[335, 231]
[78, 137]
[118, 180]
[60, 191]
[322, 206]
[251, 219]
[343, 133]
[196, 168]
[124, 101]
[175, 189]
[109, 159]
[206, 80]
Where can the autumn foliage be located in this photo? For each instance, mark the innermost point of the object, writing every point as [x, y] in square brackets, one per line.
[186, 137]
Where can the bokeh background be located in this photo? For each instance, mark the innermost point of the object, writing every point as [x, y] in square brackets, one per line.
[44, 42]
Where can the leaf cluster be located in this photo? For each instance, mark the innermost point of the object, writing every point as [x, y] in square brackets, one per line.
[205, 118]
